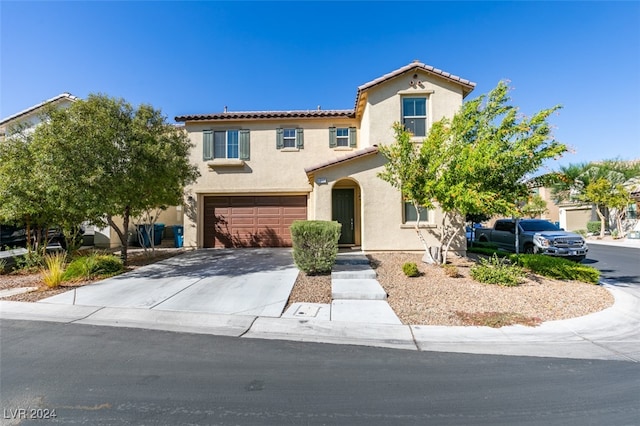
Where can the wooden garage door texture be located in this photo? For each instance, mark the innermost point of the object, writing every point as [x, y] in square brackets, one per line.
[256, 221]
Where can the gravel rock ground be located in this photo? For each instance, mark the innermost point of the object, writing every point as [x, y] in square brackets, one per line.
[434, 298]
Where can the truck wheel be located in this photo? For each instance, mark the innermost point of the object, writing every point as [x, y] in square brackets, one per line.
[483, 239]
[529, 249]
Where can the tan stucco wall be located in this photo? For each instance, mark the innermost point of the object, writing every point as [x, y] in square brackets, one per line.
[553, 211]
[381, 208]
[268, 170]
[384, 103]
[273, 171]
[108, 238]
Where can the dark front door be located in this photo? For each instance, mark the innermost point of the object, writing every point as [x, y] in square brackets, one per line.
[343, 209]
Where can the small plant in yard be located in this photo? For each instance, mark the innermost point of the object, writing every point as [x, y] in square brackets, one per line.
[92, 266]
[556, 267]
[31, 261]
[497, 271]
[54, 269]
[410, 269]
[593, 227]
[315, 245]
[496, 319]
[451, 271]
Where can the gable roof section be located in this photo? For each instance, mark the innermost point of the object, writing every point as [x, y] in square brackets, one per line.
[267, 115]
[62, 96]
[349, 157]
[467, 86]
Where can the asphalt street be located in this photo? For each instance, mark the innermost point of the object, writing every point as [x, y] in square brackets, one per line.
[104, 375]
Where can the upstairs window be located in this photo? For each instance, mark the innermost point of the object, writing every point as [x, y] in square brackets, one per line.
[225, 144]
[414, 115]
[342, 136]
[289, 138]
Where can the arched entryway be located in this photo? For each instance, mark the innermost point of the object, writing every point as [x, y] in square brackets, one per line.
[345, 209]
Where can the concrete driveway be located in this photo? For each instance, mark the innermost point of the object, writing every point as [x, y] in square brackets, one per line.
[230, 281]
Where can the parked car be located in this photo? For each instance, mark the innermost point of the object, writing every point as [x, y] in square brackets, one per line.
[12, 236]
[16, 236]
[534, 236]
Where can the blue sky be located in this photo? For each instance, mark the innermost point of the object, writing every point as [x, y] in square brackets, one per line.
[197, 57]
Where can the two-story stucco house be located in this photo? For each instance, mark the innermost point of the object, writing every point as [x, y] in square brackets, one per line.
[263, 170]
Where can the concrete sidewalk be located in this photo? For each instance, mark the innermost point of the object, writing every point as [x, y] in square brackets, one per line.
[612, 334]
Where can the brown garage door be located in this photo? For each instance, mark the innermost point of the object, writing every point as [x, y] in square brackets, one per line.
[244, 221]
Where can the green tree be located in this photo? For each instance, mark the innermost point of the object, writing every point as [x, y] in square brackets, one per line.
[603, 183]
[476, 163]
[104, 159]
[22, 192]
[534, 207]
[602, 192]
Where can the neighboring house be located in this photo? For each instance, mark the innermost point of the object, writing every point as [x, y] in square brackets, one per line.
[262, 170]
[32, 117]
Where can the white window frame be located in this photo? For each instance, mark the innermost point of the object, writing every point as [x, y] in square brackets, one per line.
[289, 137]
[227, 144]
[416, 117]
[342, 140]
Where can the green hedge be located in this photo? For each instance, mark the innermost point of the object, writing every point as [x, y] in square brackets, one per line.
[556, 267]
[315, 245]
[593, 227]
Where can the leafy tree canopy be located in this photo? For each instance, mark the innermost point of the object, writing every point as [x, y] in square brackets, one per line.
[475, 163]
[101, 158]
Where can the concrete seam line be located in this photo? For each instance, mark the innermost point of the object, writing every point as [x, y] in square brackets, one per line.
[88, 315]
[175, 294]
[413, 337]
[248, 328]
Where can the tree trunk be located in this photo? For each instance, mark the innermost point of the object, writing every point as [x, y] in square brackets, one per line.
[428, 257]
[124, 238]
[602, 221]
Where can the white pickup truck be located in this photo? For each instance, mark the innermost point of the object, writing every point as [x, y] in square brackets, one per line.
[534, 236]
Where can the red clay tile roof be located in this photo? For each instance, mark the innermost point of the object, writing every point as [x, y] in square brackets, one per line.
[267, 115]
[352, 156]
[467, 87]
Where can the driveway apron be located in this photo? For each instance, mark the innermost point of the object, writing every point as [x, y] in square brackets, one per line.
[251, 281]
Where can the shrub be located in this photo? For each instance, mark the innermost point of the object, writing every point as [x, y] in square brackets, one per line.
[495, 270]
[54, 269]
[557, 267]
[315, 245]
[33, 259]
[3, 265]
[410, 269]
[582, 232]
[92, 266]
[487, 251]
[451, 271]
[593, 227]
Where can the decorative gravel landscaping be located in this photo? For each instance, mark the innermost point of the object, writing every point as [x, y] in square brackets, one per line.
[436, 298]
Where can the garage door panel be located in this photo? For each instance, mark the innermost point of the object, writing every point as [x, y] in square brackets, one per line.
[245, 221]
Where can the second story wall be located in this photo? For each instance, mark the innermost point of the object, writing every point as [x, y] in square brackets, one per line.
[270, 167]
[406, 96]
